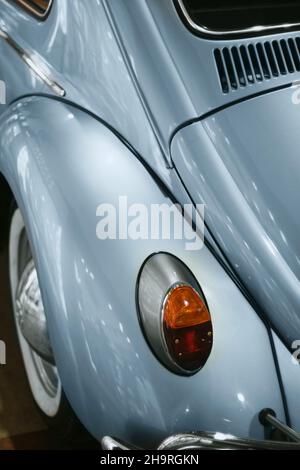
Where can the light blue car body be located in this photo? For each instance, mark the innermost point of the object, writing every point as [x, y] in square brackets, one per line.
[138, 120]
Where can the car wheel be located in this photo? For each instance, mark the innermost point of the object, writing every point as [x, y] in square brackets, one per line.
[31, 326]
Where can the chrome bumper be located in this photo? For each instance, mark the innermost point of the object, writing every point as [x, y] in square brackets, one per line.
[219, 441]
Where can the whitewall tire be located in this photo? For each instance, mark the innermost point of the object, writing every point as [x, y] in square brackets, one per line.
[42, 374]
[39, 372]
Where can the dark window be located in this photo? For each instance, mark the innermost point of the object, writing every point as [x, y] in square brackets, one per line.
[39, 8]
[234, 15]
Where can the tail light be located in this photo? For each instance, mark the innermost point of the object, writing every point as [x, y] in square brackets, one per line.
[174, 314]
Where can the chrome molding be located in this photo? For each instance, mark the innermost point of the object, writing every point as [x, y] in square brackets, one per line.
[205, 441]
[34, 11]
[238, 32]
[33, 64]
[221, 441]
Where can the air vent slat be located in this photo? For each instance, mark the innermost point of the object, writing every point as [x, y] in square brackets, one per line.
[255, 63]
[295, 54]
[263, 60]
[240, 66]
[279, 58]
[247, 64]
[298, 44]
[230, 69]
[286, 55]
[243, 66]
[271, 58]
[222, 71]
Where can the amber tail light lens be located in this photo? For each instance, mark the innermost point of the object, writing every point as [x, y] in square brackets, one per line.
[187, 328]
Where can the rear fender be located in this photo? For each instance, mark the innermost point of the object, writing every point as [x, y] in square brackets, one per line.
[61, 163]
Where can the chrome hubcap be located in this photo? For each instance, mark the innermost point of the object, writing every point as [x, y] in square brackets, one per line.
[30, 313]
[32, 323]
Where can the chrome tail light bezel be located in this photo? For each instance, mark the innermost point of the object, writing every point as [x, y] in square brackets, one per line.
[159, 276]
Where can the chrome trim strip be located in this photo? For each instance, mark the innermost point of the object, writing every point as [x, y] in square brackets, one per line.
[219, 34]
[204, 441]
[218, 440]
[31, 62]
[34, 11]
[221, 441]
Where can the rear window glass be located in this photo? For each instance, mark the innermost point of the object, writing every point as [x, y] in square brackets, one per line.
[234, 15]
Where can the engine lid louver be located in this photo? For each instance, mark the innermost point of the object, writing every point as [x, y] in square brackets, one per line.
[239, 66]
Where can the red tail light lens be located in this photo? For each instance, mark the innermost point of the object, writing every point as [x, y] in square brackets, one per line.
[187, 328]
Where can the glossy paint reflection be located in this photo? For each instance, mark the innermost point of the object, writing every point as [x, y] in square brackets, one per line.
[60, 164]
[243, 164]
[78, 46]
